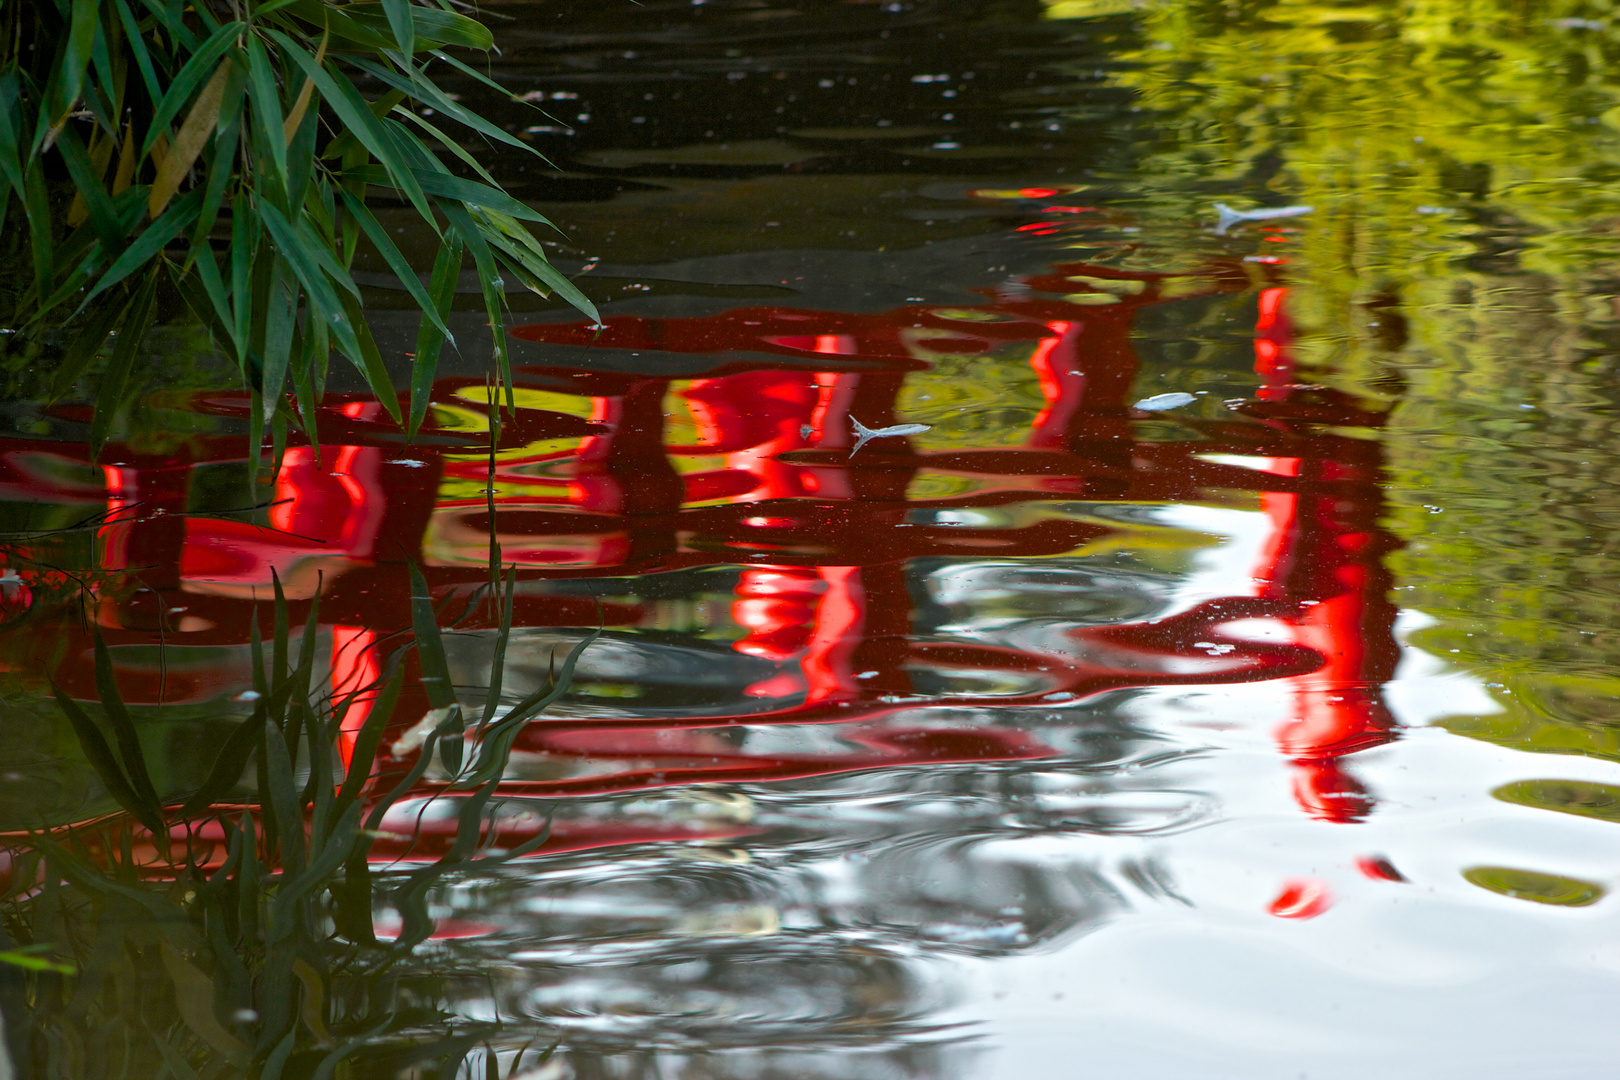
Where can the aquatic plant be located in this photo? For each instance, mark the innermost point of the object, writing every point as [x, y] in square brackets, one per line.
[231, 930]
[223, 154]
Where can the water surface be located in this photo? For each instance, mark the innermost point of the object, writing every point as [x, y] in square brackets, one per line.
[1268, 735]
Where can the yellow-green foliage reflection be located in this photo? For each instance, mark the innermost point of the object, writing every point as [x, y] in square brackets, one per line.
[1457, 273]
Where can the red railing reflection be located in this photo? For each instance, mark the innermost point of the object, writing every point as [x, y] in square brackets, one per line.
[603, 474]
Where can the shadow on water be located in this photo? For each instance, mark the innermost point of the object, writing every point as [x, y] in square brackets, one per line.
[841, 730]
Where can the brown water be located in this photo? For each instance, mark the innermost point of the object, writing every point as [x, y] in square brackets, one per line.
[1267, 731]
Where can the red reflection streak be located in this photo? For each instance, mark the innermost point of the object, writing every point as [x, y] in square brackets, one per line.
[1335, 546]
[822, 538]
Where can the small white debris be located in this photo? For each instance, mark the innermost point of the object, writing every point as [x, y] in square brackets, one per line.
[1161, 402]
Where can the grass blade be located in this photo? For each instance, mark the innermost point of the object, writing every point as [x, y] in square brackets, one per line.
[102, 761]
[129, 743]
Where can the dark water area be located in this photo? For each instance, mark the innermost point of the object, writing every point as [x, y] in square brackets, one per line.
[1264, 732]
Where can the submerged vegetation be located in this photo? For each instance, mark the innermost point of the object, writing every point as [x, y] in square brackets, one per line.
[233, 930]
[223, 155]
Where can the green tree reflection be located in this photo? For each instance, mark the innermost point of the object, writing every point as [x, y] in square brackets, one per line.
[1459, 271]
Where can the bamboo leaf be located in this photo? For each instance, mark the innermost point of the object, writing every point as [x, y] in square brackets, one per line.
[448, 143]
[110, 395]
[423, 88]
[490, 282]
[91, 337]
[222, 167]
[10, 145]
[37, 206]
[352, 111]
[369, 738]
[174, 220]
[265, 96]
[396, 261]
[189, 78]
[137, 47]
[296, 117]
[216, 315]
[188, 143]
[370, 359]
[371, 25]
[277, 349]
[282, 798]
[68, 77]
[244, 242]
[473, 193]
[303, 256]
[233, 757]
[429, 337]
[402, 23]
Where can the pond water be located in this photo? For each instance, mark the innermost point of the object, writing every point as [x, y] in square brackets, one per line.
[1264, 731]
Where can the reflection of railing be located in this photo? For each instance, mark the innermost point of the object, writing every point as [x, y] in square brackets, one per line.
[603, 474]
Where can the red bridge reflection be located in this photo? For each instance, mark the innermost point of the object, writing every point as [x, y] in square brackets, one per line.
[605, 476]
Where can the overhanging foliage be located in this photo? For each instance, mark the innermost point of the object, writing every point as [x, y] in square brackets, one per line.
[223, 145]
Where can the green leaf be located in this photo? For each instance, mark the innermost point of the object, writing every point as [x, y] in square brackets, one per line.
[190, 78]
[429, 338]
[68, 76]
[278, 347]
[204, 294]
[402, 23]
[473, 193]
[182, 212]
[421, 87]
[282, 798]
[429, 644]
[36, 205]
[10, 145]
[370, 359]
[352, 111]
[370, 736]
[305, 255]
[244, 242]
[25, 959]
[233, 757]
[129, 743]
[222, 167]
[396, 261]
[135, 40]
[188, 143]
[372, 25]
[85, 346]
[496, 746]
[110, 395]
[345, 140]
[489, 281]
[87, 182]
[102, 761]
[265, 97]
